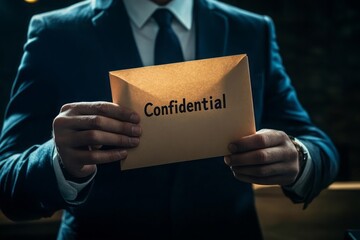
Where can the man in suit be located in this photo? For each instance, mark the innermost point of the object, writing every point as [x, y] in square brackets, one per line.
[51, 160]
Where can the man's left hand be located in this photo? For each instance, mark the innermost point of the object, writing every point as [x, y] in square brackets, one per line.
[267, 157]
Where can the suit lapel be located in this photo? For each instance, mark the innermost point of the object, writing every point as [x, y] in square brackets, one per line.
[211, 31]
[116, 38]
[119, 47]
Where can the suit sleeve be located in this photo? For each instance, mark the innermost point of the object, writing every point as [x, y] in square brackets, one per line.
[283, 111]
[28, 184]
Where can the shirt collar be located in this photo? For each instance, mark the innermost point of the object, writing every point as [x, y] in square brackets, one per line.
[140, 11]
[101, 4]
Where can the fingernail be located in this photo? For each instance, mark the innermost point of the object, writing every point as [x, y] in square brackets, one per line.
[123, 154]
[136, 130]
[134, 118]
[233, 148]
[227, 160]
[134, 141]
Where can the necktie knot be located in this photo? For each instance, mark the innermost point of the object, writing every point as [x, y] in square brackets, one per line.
[163, 17]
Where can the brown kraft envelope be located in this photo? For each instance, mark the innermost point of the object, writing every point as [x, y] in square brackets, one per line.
[190, 110]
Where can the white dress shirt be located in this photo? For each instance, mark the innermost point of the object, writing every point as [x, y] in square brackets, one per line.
[145, 29]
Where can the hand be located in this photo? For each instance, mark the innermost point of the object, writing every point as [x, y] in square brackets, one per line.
[80, 127]
[267, 157]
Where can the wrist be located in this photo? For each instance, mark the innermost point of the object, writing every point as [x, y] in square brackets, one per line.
[73, 177]
[302, 156]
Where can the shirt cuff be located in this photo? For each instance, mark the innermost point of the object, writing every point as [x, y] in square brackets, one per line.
[69, 190]
[300, 186]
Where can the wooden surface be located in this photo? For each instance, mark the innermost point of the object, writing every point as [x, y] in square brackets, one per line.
[336, 210]
[328, 217]
[42, 229]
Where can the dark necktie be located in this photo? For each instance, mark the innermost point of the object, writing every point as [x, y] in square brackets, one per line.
[167, 45]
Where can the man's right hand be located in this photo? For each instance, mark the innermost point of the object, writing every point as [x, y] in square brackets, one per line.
[81, 126]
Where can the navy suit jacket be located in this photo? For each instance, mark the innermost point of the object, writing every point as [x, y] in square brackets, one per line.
[67, 58]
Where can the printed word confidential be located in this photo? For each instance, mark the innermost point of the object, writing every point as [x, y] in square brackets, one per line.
[175, 107]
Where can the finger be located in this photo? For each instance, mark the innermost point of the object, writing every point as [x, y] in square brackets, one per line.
[254, 158]
[106, 109]
[85, 157]
[273, 180]
[260, 171]
[262, 139]
[97, 122]
[264, 180]
[96, 137]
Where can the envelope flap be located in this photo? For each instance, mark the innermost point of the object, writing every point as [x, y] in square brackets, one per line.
[173, 80]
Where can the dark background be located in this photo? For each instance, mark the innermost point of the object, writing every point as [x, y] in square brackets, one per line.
[319, 41]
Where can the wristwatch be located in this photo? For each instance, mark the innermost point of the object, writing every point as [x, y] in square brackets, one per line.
[302, 153]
